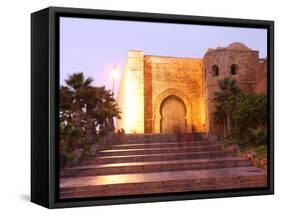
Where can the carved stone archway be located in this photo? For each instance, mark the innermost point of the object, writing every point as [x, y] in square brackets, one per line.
[173, 113]
[157, 108]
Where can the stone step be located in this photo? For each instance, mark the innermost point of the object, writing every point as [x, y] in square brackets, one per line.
[148, 138]
[124, 152]
[157, 166]
[157, 157]
[162, 182]
[153, 145]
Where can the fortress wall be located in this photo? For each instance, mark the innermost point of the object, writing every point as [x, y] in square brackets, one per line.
[147, 80]
[261, 77]
[170, 73]
[148, 90]
[131, 96]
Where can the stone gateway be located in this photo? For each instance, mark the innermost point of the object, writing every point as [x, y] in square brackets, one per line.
[160, 94]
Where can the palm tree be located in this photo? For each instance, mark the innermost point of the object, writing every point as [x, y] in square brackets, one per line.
[104, 110]
[220, 118]
[76, 83]
[228, 86]
[66, 98]
[100, 108]
[112, 110]
[90, 95]
[225, 99]
[86, 107]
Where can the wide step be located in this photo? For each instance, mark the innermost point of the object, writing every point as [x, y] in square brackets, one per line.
[157, 166]
[157, 157]
[120, 152]
[159, 163]
[154, 145]
[162, 182]
[149, 138]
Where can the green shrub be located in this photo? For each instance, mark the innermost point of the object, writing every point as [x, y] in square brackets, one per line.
[69, 136]
[261, 151]
[256, 137]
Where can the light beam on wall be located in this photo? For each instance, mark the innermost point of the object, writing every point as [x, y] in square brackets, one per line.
[130, 109]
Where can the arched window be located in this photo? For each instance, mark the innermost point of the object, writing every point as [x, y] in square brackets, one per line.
[215, 70]
[233, 69]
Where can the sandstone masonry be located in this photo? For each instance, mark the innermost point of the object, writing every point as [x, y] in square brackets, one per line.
[157, 93]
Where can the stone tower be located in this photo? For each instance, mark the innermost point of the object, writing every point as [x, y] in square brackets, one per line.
[131, 94]
[235, 61]
[261, 77]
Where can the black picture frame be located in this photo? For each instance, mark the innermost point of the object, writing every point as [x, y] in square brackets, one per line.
[44, 104]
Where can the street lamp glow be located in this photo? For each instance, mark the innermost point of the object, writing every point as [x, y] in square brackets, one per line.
[115, 73]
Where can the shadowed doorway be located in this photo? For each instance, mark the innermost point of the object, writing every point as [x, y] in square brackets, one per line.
[173, 114]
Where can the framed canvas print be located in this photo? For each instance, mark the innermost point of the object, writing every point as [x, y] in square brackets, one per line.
[139, 107]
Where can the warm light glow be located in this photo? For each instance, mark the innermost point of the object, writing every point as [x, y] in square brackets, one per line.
[131, 96]
[129, 103]
[132, 106]
[115, 73]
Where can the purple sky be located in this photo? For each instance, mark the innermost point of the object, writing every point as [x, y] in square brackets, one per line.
[93, 46]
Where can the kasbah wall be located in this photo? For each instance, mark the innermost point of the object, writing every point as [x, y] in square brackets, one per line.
[155, 90]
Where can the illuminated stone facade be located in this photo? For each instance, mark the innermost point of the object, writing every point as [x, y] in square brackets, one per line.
[169, 76]
[160, 94]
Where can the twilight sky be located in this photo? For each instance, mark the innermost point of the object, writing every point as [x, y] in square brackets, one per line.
[93, 46]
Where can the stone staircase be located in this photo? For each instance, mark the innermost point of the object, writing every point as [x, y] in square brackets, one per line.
[149, 163]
